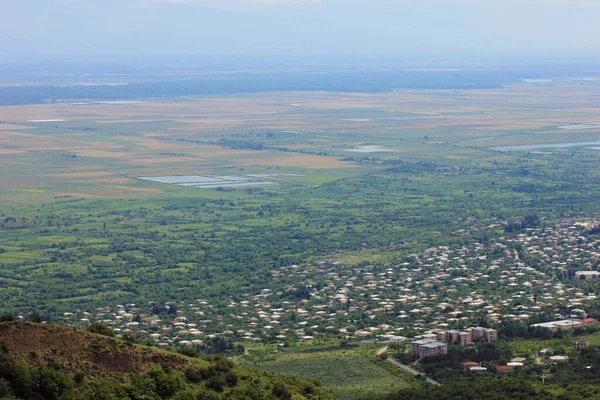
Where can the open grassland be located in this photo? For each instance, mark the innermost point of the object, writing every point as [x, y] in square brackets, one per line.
[594, 339]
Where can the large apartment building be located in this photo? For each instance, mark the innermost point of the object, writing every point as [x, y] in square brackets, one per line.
[428, 348]
[468, 336]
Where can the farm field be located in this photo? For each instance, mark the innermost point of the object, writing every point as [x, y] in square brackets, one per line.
[350, 373]
[74, 175]
[97, 150]
[117, 211]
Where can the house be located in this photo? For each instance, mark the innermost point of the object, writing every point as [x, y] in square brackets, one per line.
[515, 364]
[502, 369]
[392, 339]
[555, 326]
[587, 275]
[478, 369]
[467, 365]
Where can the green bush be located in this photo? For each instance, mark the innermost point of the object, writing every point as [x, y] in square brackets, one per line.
[35, 318]
[130, 337]
[196, 373]
[5, 390]
[199, 394]
[22, 380]
[281, 391]
[101, 329]
[7, 318]
[165, 385]
[216, 383]
[52, 384]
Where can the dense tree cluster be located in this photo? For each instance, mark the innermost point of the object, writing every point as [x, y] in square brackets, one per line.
[504, 388]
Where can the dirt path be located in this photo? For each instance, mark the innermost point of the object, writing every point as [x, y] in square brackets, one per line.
[411, 371]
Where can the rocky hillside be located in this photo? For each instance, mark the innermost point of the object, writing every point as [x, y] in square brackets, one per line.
[39, 361]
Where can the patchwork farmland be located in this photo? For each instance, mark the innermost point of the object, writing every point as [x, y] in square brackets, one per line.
[249, 220]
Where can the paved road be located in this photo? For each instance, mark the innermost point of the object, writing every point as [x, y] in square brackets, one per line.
[411, 371]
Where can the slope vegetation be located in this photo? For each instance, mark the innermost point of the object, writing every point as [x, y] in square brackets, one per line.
[58, 362]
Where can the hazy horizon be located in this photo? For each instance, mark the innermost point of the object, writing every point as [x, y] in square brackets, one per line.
[37, 30]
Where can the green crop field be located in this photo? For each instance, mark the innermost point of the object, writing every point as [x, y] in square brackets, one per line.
[352, 377]
[350, 373]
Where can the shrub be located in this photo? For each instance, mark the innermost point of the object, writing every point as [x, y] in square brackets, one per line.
[309, 390]
[231, 379]
[79, 377]
[166, 385]
[188, 351]
[5, 390]
[199, 394]
[216, 383]
[281, 391]
[222, 364]
[22, 379]
[7, 318]
[35, 318]
[53, 384]
[130, 337]
[197, 373]
[101, 329]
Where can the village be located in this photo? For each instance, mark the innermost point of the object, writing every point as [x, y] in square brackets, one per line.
[446, 295]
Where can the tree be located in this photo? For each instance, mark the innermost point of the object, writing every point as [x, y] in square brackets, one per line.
[53, 383]
[35, 318]
[101, 329]
[172, 309]
[130, 337]
[7, 318]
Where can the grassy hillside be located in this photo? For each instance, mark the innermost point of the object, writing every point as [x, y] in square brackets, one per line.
[57, 362]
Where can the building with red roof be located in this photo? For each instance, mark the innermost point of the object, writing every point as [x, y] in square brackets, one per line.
[502, 369]
[469, 364]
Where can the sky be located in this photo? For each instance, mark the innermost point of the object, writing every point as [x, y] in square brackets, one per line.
[55, 29]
